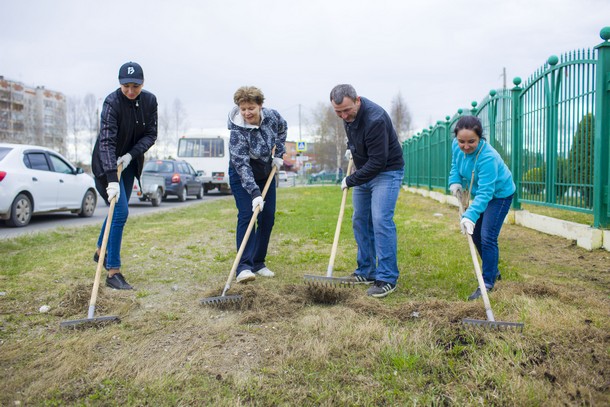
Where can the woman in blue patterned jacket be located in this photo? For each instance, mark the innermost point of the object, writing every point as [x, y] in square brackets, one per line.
[255, 131]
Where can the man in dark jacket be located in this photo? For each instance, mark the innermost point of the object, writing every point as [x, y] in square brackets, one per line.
[373, 145]
[128, 128]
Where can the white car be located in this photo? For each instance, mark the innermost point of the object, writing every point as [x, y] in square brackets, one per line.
[283, 176]
[36, 179]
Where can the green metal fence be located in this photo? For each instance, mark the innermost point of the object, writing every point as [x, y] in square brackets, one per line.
[553, 132]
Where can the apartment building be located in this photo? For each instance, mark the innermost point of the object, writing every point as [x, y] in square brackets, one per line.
[32, 115]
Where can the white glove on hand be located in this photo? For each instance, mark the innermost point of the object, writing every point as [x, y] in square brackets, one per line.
[348, 154]
[258, 201]
[278, 162]
[467, 226]
[455, 188]
[113, 190]
[126, 159]
[344, 183]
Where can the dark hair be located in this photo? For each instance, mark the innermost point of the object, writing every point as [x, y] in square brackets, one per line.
[469, 123]
[340, 92]
[249, 94]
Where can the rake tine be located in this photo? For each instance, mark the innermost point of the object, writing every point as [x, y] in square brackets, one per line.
[328, 281]
[221, 299]
[495, 324]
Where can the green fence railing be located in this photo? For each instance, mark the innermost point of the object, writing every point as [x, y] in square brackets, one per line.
[553, 131]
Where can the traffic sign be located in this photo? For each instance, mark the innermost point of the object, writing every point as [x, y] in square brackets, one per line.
[301, 146]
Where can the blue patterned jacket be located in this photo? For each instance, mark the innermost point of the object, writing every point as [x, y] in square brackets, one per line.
[250, 146]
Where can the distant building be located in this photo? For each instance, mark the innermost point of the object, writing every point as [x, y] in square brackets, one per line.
[32, 115]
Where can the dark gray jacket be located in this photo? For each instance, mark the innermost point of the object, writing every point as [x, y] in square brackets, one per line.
[373, 142]
[127, 126]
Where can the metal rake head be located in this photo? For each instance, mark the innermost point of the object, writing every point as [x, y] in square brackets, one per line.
[88, 322]
[222, 299]
[498, 325]
[323, 281]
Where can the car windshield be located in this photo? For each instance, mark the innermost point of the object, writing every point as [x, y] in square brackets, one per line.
[158, 166]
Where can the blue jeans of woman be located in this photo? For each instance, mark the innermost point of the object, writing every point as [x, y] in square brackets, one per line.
[374, 229]
[121, 212]
[255, 252]
[485, 237]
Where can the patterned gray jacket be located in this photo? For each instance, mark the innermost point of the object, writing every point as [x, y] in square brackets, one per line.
[250, 146]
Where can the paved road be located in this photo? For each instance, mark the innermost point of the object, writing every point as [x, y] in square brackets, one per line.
[47, 222]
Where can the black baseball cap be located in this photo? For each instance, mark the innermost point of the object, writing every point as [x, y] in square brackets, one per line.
[131, 72]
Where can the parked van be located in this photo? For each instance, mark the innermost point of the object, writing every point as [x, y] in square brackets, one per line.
[209, 156]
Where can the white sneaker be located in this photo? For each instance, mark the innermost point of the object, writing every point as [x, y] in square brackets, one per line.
[245, 276]
[265, 272]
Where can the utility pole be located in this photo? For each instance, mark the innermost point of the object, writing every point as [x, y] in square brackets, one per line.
[299, 122]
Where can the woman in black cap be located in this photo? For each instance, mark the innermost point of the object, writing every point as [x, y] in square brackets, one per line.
[128, 128]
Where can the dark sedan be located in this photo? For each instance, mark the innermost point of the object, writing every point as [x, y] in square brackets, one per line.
[180, 178]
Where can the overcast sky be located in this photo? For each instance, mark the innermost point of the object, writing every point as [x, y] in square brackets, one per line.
[439, 54]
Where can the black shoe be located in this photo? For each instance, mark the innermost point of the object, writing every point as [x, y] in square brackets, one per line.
[118, 282]
[477, 293]
[381, 289]
[358, 279]
[498, 277]
[96, 259]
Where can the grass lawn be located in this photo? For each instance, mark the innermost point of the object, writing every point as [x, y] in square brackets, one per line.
[290, 344]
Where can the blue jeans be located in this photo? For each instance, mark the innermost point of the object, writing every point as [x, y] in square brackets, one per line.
[374, 229]
[253, 257]
[485, 237]
[121, 212]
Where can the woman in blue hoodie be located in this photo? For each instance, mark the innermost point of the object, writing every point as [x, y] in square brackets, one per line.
[478, 166]
[255, 131]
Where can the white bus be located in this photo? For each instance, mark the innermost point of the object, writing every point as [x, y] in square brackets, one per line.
[209, 156]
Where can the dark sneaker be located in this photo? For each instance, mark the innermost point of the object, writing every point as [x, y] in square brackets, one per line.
[96, 259]
[476, 294]
[118, 282]
[498, 276]
[358, 279]
[380, 289]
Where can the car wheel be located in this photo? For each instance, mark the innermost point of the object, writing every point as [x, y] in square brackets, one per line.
[88, 206]
[200, 192]
[156, 198]
[182, 194]
[21, 211]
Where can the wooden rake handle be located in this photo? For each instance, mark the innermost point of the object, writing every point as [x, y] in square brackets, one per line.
[477, 267]
[100, 262]
[333, 252]
[244, 241]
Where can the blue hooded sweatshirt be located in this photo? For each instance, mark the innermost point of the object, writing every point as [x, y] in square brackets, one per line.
[492, 178]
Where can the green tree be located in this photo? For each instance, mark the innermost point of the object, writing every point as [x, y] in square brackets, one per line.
[580, 159]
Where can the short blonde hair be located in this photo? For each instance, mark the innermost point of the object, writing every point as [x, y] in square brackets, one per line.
[248, 94]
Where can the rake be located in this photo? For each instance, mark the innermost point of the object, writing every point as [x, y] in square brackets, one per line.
[91, 320]
[329, 280]
[491, 321]
[236, 298]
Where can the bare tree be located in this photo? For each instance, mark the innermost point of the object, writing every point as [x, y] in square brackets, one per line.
[179, 121]
[401, 117]
[75, 123]
[330, 137]
[91, 118]
[164, 126]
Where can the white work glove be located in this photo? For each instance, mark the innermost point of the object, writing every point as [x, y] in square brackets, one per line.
[455, 188]
[278, 162]
[348, 154]
[126, 159]
[344, 183]
[258, 201]
[113, 190]
[467, 226]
